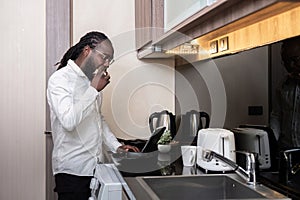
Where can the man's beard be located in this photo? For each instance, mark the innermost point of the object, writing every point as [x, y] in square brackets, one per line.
[89, 68]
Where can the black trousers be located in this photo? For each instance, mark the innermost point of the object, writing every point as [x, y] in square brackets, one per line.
[71, 187]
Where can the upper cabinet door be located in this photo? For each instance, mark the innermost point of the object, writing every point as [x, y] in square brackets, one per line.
[176, 11]
[149, 21]
[143, 22]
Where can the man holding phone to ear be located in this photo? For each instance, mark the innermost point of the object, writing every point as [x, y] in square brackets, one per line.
[74, 95]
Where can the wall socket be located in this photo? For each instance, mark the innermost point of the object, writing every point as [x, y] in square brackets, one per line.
[213, 47]
[223, 44]
[255, 110]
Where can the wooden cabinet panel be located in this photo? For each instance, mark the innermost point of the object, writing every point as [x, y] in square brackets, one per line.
[143, 22]
[157, 19]
[58, 39]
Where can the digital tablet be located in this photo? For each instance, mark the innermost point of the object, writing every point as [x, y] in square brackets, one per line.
[151, 144]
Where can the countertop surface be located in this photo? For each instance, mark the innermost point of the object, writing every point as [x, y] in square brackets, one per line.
[170, 164]
[272, 180]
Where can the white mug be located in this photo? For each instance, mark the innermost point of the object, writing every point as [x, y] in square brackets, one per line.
[188, 155]
[189, 170]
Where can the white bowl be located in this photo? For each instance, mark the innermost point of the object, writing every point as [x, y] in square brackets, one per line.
[164, 148]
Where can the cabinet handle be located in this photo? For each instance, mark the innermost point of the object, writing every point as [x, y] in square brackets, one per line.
[48, 132]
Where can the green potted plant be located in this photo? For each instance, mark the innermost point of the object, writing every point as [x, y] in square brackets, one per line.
[163, 143]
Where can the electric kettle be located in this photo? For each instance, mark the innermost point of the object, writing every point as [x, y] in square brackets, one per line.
[163, 118]
[191, 123]
[195, 120]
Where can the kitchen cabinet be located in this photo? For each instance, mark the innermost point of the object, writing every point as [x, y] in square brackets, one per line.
[176, 11]
[148, 21]
[212, 22]
[58, 39]
[143, 20]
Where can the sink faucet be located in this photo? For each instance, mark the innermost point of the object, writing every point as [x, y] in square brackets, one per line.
[247, 174]
[287, 167]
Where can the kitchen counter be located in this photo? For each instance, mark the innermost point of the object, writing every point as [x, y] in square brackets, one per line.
[170, 164]
[290, 189]
[149, 164]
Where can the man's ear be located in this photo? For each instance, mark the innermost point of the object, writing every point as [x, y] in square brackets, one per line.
[86, 50]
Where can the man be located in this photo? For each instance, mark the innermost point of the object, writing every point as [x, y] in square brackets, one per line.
[286, 119]
[74, 95]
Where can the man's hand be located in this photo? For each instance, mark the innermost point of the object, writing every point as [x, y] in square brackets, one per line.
[127, 148]
[100, 80]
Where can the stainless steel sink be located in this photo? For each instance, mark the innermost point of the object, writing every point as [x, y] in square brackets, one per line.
[205, 187]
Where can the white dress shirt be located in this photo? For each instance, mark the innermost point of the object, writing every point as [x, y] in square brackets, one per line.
[78, 128]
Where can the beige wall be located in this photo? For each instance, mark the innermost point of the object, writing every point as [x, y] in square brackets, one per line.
[22, 83]
[137, 88]
[22, 102]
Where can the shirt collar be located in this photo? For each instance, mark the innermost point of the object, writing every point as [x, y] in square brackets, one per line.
[76, 68]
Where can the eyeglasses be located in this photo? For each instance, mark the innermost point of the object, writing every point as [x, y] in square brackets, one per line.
[105, 57]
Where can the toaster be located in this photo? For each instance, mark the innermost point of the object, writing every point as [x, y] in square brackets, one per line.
[256, 141]
[220, 141]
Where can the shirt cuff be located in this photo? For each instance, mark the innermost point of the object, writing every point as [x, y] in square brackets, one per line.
[116, 145]
[92, 91]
